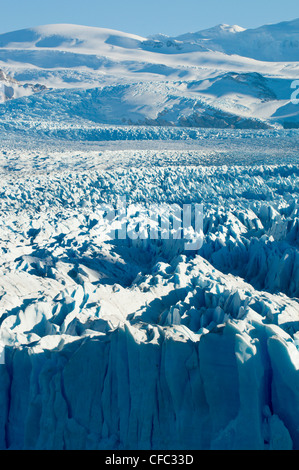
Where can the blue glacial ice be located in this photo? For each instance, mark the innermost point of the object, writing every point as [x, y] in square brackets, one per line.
[140, 343]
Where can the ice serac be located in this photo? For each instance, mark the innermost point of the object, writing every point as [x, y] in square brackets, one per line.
[12, 89]
[136, 343]
[210, 391]
[285, 364]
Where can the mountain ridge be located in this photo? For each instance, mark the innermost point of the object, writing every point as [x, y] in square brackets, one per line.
[282, 37]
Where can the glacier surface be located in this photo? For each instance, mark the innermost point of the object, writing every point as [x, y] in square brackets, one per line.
[137, 342]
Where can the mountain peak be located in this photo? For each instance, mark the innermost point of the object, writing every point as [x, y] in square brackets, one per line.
[225, 28]
[216, 32]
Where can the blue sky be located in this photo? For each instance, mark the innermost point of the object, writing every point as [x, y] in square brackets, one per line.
[172, 17]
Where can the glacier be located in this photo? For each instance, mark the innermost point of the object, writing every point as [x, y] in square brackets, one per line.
[136, 342]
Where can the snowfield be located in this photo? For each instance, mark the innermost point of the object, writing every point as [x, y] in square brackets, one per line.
[112, 338]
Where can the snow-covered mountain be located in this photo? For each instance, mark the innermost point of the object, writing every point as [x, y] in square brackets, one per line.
[278, 42]
[274, 42]
[209, 78]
